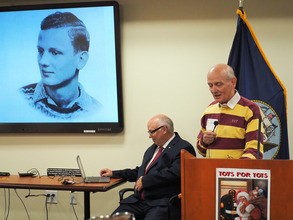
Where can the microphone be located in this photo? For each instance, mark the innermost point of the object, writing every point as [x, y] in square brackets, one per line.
[215, 125]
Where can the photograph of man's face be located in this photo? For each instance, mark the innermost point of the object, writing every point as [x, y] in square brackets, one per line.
[56, 71]
[57, 59]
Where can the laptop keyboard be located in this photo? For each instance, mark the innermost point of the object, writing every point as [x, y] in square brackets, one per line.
[98, 179]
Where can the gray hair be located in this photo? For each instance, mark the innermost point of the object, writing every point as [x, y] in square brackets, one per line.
[229, 72]
[164, 120]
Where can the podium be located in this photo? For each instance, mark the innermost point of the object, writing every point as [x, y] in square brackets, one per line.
[198, 185]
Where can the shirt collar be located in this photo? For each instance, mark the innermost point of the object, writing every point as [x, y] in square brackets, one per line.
[232, 102]
[40, 94]
[166, 144]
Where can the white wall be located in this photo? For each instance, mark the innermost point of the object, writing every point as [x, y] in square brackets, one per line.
[167, 48]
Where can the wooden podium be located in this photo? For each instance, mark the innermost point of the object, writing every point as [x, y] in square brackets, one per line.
[198, 185]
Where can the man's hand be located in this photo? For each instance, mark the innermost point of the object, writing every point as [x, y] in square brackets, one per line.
[208, 137]
[138, 184]
[106, 172]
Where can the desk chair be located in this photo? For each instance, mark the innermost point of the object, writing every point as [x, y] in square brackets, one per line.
[116, 216]
[174, 204]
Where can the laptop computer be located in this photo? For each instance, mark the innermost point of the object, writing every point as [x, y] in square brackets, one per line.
[91, 179]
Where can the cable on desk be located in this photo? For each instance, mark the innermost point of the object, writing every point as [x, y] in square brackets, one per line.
[34, 171]
[64, 179]
[22, 204]
[69, 180]
[51, 177]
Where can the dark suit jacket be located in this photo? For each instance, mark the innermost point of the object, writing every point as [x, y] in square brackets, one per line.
[162, 180]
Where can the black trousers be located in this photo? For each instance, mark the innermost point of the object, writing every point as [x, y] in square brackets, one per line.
[142, 211]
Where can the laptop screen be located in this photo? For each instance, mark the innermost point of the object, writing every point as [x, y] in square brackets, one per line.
[80, 167]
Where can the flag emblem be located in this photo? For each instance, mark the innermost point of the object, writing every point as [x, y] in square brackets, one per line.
[271, 124]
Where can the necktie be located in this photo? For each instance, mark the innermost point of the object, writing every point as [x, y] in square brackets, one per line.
[155, 158]
[141, 193]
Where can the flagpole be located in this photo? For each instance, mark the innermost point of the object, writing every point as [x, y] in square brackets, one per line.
[241, 4]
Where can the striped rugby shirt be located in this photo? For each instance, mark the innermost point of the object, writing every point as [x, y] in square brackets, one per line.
[236, 132]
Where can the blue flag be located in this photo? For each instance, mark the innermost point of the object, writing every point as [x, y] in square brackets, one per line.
[257, 81]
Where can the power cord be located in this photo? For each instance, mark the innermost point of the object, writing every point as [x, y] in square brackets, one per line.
[34, 171]
[74, 211]
[7, 204]
[46, 207]
[22, 204]
[34, 195]
[67, 180]
[46, 203]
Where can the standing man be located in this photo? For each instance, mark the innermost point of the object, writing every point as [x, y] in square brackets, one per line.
[230, 124]
[63, 46]
[156, 180]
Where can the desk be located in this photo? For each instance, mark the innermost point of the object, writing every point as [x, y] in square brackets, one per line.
[50, 183]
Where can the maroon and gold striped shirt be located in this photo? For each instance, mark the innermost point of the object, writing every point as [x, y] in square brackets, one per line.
[236, 132]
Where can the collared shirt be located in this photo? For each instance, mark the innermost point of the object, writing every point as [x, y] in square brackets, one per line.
[232, 102]
[240, 138]
[157, 149]
[37, 97]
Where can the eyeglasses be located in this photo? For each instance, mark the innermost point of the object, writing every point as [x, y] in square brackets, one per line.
[155, 130]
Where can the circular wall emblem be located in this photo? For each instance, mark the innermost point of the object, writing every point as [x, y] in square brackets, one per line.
[272, 130]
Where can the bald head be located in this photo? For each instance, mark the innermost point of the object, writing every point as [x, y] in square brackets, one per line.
[222, 82]
[160, 129]
[162, 120]
[222, 69]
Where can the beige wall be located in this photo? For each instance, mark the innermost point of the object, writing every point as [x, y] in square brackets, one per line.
[167, 48]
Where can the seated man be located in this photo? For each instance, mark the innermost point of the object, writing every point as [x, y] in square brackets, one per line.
[157, 179]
